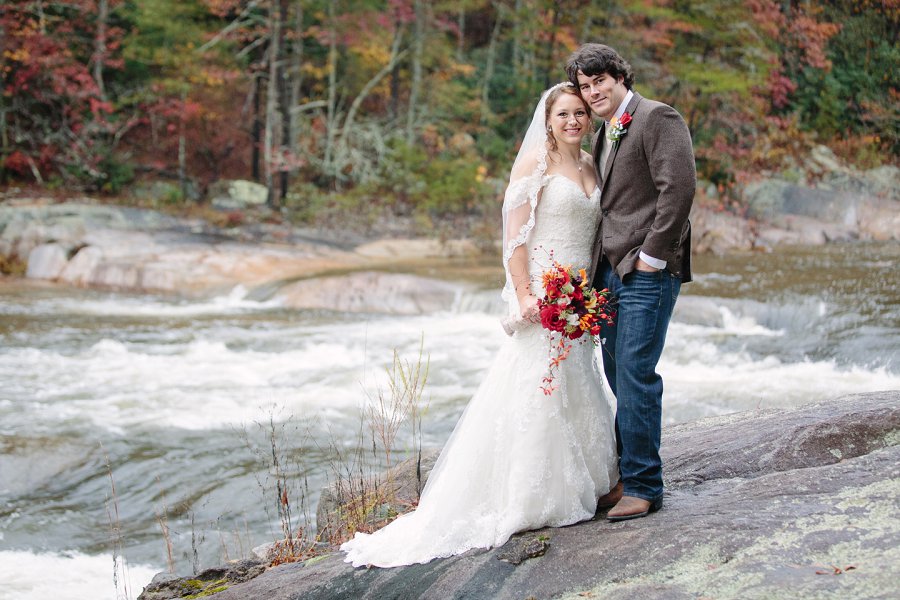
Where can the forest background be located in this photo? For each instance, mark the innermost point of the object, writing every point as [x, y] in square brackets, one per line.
[356, 112]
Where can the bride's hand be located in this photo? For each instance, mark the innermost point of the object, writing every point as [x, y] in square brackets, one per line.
[529, 308]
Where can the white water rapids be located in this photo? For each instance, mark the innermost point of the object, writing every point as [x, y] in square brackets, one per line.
[166, 386]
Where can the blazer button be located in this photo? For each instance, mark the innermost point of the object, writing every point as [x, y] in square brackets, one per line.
[605, 212]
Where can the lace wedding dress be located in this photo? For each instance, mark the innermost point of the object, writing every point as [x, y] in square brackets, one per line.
[517, 459]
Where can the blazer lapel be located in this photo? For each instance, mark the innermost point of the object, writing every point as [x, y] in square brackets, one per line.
[609, 161]
[632, 106]
[598, 140]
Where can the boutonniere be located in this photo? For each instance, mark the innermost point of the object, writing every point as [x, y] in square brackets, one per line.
[618, 127]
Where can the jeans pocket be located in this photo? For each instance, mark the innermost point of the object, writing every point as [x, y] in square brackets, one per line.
[646, 276]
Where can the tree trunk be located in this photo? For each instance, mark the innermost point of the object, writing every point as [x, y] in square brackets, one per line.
[395, 83]
[284, 101]
[4, 135]
[347, 128]
[331, 117]
[257, 126]
[489, 67]
[42, 20]
[272, 113]
[296, 79]
[100, 44]
[416, 84]
[461, 34]
[517, 53]
[182, 150]
[549, 65]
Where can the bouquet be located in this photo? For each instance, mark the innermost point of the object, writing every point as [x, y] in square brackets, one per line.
[573, 309]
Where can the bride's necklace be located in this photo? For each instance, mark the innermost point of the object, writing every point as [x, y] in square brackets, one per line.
[578, 164]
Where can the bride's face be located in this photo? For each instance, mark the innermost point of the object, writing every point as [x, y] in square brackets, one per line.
[569, 121]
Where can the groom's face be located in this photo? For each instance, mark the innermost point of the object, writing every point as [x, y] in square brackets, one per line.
[602, 92]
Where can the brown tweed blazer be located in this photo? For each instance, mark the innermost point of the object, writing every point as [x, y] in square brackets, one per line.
[647, 190]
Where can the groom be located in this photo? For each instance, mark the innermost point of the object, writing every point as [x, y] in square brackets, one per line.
[645, 164]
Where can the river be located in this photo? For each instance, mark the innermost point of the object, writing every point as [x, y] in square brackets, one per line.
[170, 399]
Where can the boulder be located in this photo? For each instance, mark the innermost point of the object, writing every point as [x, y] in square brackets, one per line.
[166, 586]
[719, 231]
[765, 504]
[843, 205]
[146, 251]
[238, 194]
[80, 267]
[371, 291]
[46, 261]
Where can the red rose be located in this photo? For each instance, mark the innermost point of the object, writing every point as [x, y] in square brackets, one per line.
[550, 317]
[625, 120]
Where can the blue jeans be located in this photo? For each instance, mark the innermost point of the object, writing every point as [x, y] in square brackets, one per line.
[631, 351]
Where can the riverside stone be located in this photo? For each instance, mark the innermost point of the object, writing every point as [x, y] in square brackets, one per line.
[46, 261]
[145, 251]
[719, 231]
[763, 504]
[371, 291]
[844, 205]
[238, 194]
[79, 269]
[165, 586]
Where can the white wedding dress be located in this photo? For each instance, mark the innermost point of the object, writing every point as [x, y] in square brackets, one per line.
[517, 459]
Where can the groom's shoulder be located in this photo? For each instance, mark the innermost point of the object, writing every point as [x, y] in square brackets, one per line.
[648, 106]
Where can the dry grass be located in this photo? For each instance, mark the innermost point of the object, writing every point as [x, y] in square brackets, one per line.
[120, 565]
[286, 490]
[365, 502]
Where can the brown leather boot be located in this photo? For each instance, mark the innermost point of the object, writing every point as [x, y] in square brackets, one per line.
[630, 507]
[611, 498]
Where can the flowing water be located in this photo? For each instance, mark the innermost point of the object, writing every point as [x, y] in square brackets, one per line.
[168, 396]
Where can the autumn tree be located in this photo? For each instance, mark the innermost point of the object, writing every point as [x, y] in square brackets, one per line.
[57, 123]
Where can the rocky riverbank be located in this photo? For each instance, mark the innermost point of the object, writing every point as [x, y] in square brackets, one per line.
[88, 244]
[798, 503]
[141, 251]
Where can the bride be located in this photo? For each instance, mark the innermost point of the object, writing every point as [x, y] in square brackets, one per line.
[519, 459]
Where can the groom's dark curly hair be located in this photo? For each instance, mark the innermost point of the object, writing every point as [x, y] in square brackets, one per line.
[594, 59]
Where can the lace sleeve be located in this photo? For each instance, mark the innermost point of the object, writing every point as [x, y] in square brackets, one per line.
[519, 209]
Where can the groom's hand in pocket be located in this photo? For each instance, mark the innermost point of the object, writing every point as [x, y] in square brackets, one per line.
[640, 265]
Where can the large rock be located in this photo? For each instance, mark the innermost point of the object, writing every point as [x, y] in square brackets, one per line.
[798, 503]
[46, 261]
[144, 251]
[718, 231]
[238, 194]
[206, 583]
[371, 291]
[844, 204]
